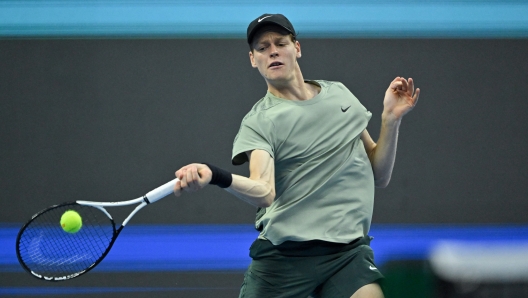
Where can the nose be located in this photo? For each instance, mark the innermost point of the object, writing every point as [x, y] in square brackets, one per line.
[273, 51]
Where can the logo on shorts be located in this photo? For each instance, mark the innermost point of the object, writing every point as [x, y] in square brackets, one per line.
[345, 109]
[372, 268]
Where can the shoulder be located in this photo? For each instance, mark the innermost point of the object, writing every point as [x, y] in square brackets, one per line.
[337, 90]
[333, 86]
[260, 108]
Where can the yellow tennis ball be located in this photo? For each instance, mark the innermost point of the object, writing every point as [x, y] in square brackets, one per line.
[71, 221]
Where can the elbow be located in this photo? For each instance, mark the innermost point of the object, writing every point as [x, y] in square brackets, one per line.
[263, 204]
[381, 182]
[382, 178]
[266, 201]
[381, 185]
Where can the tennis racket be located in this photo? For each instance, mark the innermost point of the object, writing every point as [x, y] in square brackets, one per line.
[47, 252]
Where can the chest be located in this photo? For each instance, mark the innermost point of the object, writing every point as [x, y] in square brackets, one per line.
[305, 131]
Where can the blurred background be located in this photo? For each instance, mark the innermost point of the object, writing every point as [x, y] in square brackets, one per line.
[105, 100]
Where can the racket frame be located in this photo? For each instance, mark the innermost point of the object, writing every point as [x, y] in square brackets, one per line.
[151, 197]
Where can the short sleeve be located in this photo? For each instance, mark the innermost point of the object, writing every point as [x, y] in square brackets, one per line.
[255, 133]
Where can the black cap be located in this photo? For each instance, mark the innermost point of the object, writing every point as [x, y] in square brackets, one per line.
[269, 19]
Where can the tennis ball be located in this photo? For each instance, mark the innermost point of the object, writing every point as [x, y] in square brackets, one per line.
[71, 221]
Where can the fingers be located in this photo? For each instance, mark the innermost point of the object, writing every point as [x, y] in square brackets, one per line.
[416, 95]
[403, 85]
[190, 179]
[395, 84]
[412, 93]
[398, 84]
[411, 86]
[177, 189]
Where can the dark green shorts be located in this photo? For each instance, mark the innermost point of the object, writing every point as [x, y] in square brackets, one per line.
[301, 269]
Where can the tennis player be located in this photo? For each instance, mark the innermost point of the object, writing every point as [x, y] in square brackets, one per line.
[313, 169]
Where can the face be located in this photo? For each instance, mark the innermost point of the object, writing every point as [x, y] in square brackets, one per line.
[275, 55]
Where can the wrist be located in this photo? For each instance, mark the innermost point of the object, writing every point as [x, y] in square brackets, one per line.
[220, 177]
[390, 120]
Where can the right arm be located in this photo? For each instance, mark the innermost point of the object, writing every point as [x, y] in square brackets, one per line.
[257, 190]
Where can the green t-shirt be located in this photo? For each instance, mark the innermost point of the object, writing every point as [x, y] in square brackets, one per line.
[323, 178]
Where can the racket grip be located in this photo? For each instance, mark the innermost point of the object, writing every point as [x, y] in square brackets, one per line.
[162, 191]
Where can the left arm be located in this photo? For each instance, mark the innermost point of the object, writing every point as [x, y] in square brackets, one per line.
[400, 98]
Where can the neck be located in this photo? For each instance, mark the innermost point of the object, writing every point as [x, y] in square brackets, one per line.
[294, 89]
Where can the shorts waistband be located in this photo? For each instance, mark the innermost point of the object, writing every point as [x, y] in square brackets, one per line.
[263, 248]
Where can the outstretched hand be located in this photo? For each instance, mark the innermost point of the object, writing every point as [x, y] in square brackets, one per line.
[192, 177]
[400, 98]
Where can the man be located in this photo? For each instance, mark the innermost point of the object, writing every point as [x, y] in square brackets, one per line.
[313, 168]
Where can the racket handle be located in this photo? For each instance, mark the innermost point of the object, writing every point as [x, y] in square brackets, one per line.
[162, 191]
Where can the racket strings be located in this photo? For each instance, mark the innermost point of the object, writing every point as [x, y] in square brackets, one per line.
[46, 249]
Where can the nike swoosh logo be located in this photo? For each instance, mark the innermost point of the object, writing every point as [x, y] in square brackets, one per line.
[259, 20]
[344, 110]
[373, 268]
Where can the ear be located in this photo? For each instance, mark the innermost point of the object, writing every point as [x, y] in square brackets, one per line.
[298, 49]
[252, 59]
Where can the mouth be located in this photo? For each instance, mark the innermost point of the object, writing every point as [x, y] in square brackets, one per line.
[275, 64]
